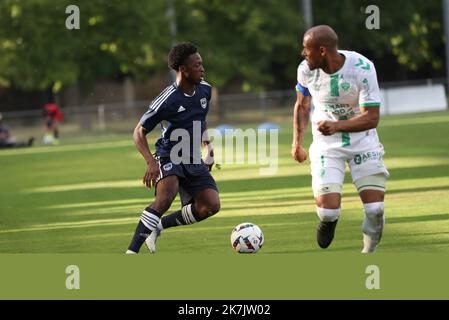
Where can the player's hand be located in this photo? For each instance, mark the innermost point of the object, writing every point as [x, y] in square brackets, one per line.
[209, 157]
[299, 153]
[151, 175]
[327, 127]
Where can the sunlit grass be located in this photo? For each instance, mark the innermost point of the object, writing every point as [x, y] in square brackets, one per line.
[87, 197]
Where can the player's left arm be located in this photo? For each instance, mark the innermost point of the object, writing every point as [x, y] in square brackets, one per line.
[369, 103]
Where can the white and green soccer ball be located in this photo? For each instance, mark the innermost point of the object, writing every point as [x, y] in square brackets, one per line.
[247, 238]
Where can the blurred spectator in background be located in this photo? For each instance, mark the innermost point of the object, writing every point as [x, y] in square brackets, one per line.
[53, 116]
[9, 141]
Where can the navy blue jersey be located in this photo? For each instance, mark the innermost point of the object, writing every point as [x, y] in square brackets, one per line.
[173, 109]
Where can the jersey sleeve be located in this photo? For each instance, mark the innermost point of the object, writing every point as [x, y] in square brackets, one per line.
[369, 95]
[301, 85]
[155, 114]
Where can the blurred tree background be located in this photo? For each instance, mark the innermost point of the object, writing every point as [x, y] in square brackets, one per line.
[246, 45]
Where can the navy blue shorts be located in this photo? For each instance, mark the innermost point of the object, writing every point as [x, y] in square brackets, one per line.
[193, 178]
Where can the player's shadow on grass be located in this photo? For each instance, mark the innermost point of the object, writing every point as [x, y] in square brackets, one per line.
[304, 180]
[401, 190]
[419, 172]
[432, 217]
[268, 183]
[279, 204]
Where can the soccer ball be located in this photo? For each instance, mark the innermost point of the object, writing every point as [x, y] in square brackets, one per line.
[247, 238]
[48, 139]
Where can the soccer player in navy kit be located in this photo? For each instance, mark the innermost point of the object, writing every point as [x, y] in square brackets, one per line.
[183, 106]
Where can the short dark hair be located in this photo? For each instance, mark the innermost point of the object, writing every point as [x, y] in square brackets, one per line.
[179, 53]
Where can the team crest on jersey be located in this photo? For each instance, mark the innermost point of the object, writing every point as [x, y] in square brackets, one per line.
[203, 102]
[167, 166]
[345, 86]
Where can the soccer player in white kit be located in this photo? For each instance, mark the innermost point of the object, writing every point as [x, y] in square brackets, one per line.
[338, 91]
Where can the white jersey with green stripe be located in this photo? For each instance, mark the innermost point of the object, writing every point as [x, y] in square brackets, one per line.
[339, 96]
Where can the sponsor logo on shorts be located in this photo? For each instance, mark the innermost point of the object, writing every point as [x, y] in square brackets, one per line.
[167, 166]
[370, 155]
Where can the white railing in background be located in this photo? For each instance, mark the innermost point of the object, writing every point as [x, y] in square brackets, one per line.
[411, 97]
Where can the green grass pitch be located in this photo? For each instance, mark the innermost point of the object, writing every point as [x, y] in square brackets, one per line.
[86, 195]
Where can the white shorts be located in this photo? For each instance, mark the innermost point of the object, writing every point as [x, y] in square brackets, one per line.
[331, 169]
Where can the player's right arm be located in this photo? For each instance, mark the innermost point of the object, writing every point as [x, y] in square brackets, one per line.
[140, 140]
[301, 115]
[155, 114]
